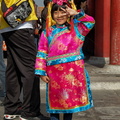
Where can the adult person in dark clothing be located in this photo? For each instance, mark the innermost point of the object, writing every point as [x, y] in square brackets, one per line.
[21, 53]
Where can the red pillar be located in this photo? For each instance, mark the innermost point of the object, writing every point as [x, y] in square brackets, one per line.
[102, 28]
[115, 32]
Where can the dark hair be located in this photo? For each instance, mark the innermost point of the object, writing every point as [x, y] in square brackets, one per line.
[46, 2]
[55, 7]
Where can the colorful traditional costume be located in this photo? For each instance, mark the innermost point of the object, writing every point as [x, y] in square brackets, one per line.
[60, 57]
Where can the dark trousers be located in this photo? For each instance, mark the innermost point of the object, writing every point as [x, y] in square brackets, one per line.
[21, 54]
[66, 116]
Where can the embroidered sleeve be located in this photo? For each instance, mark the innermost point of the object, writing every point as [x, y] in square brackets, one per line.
[84, 22]
[40, 65]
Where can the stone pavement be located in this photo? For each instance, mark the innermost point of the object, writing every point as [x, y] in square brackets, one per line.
[105, 85]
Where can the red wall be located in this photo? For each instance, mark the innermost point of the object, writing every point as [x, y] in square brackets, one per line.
[102, 28]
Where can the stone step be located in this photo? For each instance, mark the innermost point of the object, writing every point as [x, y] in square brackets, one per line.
[100, 65]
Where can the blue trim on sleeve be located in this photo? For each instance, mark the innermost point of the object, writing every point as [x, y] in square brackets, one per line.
[41, 55]
[40, 72]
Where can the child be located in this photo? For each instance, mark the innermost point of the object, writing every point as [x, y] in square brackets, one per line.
[60, 63]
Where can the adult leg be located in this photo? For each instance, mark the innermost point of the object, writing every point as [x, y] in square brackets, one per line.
[12, 102]
[24, 52]
[54, 116]
[35, 98]
[67, 116]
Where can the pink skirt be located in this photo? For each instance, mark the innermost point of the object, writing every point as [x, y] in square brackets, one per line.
[69, 88]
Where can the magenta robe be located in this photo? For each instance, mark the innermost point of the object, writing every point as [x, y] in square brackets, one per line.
[60, 57]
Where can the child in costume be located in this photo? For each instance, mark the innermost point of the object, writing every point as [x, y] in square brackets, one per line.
[59, 61]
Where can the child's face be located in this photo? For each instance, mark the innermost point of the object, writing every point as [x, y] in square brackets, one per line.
[60, 17]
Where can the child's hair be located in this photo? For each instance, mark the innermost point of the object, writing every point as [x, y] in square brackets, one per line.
[55, 7]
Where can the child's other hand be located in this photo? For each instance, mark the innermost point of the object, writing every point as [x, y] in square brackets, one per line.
[45, 78]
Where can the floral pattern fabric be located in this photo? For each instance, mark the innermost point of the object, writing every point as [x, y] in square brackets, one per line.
[68, 90]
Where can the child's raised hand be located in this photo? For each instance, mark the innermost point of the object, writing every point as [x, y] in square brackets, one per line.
[69, 11]
[45, 78]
